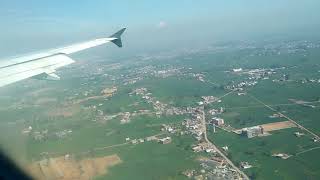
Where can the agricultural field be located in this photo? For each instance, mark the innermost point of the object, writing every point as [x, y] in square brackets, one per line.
[113, 116]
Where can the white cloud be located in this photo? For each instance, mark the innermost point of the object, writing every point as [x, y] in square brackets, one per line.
[162, 24]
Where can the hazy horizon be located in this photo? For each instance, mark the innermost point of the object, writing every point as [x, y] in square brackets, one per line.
[37, 25]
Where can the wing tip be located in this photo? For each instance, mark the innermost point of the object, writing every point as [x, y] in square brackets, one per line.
[117, 35]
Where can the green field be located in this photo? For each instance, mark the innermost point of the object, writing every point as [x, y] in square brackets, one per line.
[20, 108]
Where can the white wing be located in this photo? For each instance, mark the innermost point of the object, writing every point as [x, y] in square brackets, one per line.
[45, 64]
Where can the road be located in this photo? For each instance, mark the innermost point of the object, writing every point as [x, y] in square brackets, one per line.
[122, 144]
[244, 176]
[271, 105]
[307, 150]
[294, 122]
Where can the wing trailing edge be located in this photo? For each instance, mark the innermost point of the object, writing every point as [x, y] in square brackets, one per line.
[43, 65]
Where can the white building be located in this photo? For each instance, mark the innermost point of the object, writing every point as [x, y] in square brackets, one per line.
[165, 140]
[217, 121]
[237, 70]
[252, 131]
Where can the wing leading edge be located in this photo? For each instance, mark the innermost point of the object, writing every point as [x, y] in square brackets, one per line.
[45, 64]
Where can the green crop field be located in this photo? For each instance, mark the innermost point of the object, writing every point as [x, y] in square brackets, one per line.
[49, 106]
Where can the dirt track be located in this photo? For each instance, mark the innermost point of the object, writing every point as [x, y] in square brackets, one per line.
[277, 126]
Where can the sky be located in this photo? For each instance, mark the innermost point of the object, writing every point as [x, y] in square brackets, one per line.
[152, 24]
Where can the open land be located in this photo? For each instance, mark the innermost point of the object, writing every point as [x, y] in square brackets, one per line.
[66, 168]
[172, 115]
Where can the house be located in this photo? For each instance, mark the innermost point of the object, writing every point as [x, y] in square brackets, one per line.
[245, 165]
[134, 141]
[197, 149]
[237, 70]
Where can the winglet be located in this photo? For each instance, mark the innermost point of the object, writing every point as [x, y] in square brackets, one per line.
[117, 35]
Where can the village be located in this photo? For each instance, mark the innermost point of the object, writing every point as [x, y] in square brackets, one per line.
[217, 163]
[197, 122]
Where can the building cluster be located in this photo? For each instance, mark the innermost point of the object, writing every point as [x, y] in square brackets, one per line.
[141, 140]
[261, 73]
[159, 107]
[209, 99]
[291, 47]
[125, 118]
[203, 147]
[241, 93]
[139, 91]
[276, 115]
[198, 76]
[132, 80]
[299, 46]
[168, 128]
[194, 125]
[190, 173]
[307, 80]
[141, 112]
[224, 172]
[40, 135]
[302, 103]
[245, 165]
[137, 74]
[167, 73]
[253, 76]
[254, 131]
[44, 135]
[217, 168]
[240, 86]
[298, 134]
[281, 155]
[217, 121]
[165, 140]
[136, 141]
[63, 134]
[175, 111]
[133, 75]
[109, 91]
[27, 130]
[214, 112]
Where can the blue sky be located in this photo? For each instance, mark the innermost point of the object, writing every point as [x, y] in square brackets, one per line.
[34, 24]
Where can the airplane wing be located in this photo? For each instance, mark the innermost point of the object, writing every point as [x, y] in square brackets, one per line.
[44, 65]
